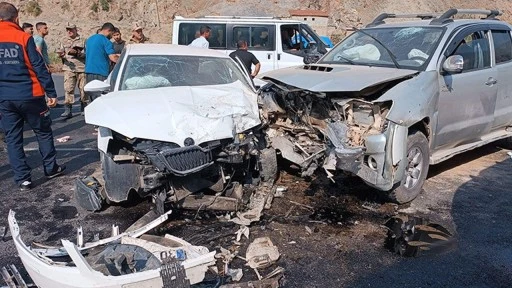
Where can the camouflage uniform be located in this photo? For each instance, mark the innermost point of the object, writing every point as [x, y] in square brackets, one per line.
[135, 41]
[74, 69]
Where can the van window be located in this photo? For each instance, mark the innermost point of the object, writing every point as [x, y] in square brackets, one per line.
[190, 31]
[257, 37]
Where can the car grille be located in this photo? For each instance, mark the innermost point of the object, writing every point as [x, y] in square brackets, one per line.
[185, 160]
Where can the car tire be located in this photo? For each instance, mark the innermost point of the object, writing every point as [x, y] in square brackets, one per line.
[268, 165]
[416, 170]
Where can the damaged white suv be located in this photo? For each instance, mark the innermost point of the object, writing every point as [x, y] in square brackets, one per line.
[390, 99]
[177, 120]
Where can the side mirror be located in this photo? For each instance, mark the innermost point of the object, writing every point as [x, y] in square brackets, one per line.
[453, 64]
[97, 86]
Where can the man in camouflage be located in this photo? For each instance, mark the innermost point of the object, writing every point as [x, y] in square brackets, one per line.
[138, 36]
[73, 59]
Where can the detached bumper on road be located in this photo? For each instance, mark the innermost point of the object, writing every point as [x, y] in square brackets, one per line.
[78, 273]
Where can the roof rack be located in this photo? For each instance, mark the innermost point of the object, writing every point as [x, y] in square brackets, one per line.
[243, 17]
[447, 16]
[379, 20]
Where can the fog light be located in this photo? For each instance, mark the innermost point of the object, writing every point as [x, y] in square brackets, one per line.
[372, 163]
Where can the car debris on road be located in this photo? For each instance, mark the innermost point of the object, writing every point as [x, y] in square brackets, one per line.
[132, 259]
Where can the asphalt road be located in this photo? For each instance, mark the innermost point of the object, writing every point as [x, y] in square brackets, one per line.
[469, 194]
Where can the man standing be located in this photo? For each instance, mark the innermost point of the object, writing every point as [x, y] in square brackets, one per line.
[72, 53]
[42, 31]
[202, 40]
[246, 57]
[138, 36]
[28, 28]
[99, 51]
[118, 42]
[24, 80]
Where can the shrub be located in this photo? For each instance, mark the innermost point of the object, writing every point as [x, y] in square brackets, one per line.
[33, 8]
[94, 7]
[65, 6]
[105, 5]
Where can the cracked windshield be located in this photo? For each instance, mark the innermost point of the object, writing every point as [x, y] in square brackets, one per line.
[409, 47]
[144, 72]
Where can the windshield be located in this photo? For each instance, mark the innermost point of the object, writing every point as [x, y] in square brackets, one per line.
[154, 71]
[411, 47]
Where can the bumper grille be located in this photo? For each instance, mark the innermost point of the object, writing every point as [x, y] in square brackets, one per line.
[185, 160]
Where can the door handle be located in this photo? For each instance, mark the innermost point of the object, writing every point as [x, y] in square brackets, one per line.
[269, 56]
[491, 81]
[278, 56]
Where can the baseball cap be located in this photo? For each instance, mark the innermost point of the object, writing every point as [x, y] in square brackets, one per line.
[70, 26]
[136, 27]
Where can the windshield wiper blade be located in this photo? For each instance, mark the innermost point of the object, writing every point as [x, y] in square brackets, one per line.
[347, 60]
[391, 55]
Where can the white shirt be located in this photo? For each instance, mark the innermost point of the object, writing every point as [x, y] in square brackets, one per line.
[200, 42]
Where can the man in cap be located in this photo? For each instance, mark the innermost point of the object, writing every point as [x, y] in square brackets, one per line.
[72, 53]
[28, 28]
[24, 81]
[138, 36]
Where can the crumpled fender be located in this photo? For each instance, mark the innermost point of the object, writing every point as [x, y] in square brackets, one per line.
[413, 99]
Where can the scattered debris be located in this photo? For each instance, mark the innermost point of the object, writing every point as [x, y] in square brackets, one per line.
[409, 236]
[256, 205]
[64, 139]
[309, 230]
[244, 230]
[131, 257]
[261, 253]
[280, 191]
[509, 154]
[277, 271]
[12, 277]
[235, 274]
[266, 283]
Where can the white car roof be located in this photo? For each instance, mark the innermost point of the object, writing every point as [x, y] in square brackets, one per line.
[171, 49]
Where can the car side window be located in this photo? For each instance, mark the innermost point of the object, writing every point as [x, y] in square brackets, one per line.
[115, 71]
[475, 50]
[502, 46]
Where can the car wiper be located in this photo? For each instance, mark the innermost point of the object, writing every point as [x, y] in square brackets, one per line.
[346, 59]
[391, 55]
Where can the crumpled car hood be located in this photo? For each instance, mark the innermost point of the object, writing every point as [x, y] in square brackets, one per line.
[172, 114]
[350, 78]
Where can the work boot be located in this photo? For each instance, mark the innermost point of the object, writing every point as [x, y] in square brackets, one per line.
[67, 112]
[82, 107]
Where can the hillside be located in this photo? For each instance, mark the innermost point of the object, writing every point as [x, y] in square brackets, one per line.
[157, 15]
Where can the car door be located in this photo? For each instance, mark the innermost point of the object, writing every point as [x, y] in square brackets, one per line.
[502, 43]
[288, 54]
[467, 100]
[260, 41]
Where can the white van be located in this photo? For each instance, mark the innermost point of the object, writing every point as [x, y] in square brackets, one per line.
[277, 43]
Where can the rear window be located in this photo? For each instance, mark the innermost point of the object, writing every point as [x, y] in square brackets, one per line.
[190, 31]
[502, 46]
[154, 71]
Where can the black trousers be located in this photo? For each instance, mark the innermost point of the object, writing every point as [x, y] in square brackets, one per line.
[35, 112]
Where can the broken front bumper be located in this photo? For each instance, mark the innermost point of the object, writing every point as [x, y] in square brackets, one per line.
[48, 273]
[377, 162]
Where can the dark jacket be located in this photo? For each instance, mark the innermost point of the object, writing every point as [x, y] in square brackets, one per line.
[23, 73]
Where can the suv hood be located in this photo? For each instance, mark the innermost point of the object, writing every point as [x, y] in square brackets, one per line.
[336, 78]
[172, 114]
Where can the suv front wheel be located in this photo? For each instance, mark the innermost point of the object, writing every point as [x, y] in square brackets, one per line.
[415, 171]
